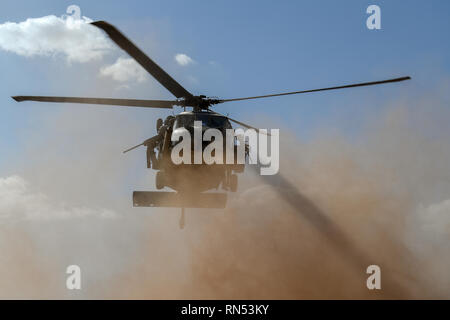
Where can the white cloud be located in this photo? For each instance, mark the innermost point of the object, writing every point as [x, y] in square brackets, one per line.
[436, 218]
[17, 202]
[125, 69]
[440, 209]
[74, 39]
[183, 59]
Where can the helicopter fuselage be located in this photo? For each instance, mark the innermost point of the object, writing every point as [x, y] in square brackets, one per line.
[194, 177]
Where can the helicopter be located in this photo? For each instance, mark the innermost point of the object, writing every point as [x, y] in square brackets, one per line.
[191, 183]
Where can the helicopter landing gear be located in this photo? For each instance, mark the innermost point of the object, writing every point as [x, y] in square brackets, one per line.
[160, 183]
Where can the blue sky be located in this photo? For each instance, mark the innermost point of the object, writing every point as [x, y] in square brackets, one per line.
[243, 48]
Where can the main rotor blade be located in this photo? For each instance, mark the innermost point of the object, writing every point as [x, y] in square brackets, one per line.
[148, 64]
[245, 125]
[323, 89]
[166, 104]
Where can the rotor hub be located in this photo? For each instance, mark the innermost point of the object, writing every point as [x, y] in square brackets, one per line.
[200, 102]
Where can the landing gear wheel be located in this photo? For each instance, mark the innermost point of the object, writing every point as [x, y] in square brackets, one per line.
[233, 183]
[160, 180]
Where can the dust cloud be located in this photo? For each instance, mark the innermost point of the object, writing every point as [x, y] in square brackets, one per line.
[338, 205]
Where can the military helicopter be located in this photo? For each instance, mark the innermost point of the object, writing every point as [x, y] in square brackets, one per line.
[191, 182]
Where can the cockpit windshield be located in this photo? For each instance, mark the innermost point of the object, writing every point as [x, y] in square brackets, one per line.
[208, 120]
